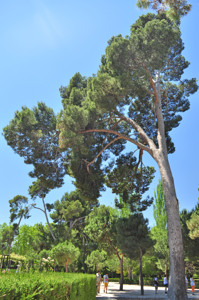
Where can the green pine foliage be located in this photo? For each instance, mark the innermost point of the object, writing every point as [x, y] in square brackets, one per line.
[175, 8]
[101, 114]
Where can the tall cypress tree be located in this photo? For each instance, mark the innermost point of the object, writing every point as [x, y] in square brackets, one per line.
[159, 231]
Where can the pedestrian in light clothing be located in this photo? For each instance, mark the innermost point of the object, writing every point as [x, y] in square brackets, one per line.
[165, 283]
[192, 283]
[98, 281]
[186, 282]
[105, 283]
[156, 284]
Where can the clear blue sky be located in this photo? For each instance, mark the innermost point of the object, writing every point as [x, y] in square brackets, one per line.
[43, 44]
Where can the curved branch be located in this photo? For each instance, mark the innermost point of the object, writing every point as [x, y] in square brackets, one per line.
[76, 220]
[112, 128]
[90, 163]
[38, 208]
[121, 136]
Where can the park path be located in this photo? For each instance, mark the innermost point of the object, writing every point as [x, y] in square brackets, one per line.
[133, 292]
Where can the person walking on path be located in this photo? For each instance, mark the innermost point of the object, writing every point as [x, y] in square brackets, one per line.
[186, 282]
[105, 282]
[192, 283]
[98, 281]
[156, 284]
[165, 283]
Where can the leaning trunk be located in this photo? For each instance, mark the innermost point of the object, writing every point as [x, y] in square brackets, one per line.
[47, 219]
[177, 289]
[141, 276]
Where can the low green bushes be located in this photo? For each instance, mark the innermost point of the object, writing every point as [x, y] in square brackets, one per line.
[28, 286]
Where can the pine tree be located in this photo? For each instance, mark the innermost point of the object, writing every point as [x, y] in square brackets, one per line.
[136, 98]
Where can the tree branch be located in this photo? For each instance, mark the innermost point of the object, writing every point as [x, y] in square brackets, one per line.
[143, 134]
[121, 136]
[158, 106]
[112, 128]
[152, 84]
[90, 163]
[76, 220]
[38, 208]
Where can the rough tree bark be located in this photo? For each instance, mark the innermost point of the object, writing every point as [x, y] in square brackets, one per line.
[177, 289]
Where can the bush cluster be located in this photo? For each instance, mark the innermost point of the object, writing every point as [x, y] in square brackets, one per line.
[28, 286]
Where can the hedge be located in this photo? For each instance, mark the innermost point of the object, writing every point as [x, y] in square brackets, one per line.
[66, 286]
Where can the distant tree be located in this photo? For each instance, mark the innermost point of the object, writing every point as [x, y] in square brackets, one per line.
[69, 215]
[96, 260]
[190, 245]
[72, 209]
[149, 266]
[6, 237]
[101, 229]
[65, 254]
[44, 240]
[27, 241]
[40, 190]
[193, 225]
[133, 239]
[19, 209]
[113, 264]
[32, 134]
[159, 232]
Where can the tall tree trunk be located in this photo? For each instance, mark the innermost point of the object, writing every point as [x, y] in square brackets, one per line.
[44, 205]
[121, 273]
[10, 245]
[83, 254]
[67, 262]
[177, 290]
[141, 276]
[130, 270]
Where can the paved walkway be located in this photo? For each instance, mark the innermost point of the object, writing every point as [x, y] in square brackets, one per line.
[133, 292]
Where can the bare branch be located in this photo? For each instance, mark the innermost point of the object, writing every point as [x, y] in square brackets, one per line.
[112, 128]
[139, 160]
[121, 136]
[76, 220]
[143, 134]
[90, 163]
[38, 208]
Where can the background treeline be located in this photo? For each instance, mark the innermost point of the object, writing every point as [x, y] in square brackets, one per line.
[89, 237]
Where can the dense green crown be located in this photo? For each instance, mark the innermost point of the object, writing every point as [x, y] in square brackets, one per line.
[33, 135]
[123, 88]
